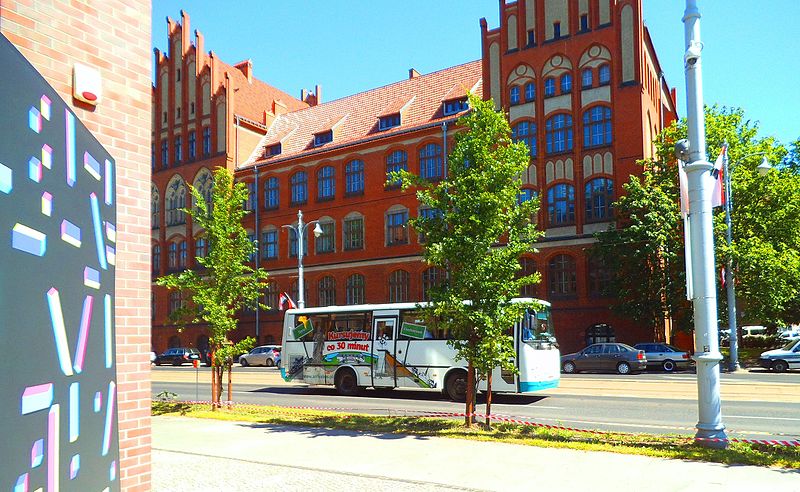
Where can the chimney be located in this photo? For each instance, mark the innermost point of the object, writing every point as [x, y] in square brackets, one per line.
[303, 94]
[246, 67]
[412, 73]
[318, 91]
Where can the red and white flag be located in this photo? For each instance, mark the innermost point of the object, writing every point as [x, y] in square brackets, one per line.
[286, 300]
[718, 195]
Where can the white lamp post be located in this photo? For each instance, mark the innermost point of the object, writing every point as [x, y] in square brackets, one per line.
[300, 231]
[763, 168]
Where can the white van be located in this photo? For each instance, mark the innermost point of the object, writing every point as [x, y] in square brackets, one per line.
[754, 331]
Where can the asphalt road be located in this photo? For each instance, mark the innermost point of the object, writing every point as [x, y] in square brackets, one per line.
[755, 405]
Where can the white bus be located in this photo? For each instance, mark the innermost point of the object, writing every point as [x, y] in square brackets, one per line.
[391, 345]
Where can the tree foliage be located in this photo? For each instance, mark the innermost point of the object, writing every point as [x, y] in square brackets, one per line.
[646, 252]
[225, 283]
[476, 234]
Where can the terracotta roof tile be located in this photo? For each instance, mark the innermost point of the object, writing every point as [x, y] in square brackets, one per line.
[363, 109]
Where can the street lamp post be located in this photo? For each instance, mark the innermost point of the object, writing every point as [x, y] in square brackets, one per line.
[300, 231]
[763, 168]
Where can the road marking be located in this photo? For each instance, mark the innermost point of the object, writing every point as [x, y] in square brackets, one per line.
[762, 418]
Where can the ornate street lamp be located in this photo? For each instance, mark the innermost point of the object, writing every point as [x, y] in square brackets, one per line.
[300, 231]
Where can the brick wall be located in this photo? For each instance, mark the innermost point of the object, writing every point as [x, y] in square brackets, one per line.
[113, 36]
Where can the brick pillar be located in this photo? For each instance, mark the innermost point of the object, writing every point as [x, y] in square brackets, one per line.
[114, 37]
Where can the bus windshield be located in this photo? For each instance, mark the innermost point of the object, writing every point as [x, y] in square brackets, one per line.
[537, 327]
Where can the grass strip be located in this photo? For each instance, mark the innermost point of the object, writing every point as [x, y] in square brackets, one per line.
[662, 446]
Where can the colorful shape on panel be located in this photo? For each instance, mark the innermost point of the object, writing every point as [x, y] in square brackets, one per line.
[111, 232]
[35, 120]
[83, 334]
[72, 172]
[111, 255]
[22, 483]
[109, 183]
[36, 398]
[91, 278]
[70, 233]
[74, 466]
[109, 341]
[91, 165]
[47, 204]
[35, 169]
[59, 331]
[98, 232]
[53, 448]
[28, 240]
[98, 401]
[112, 471]
[47, 156]
[37, 453]
[44, 107]
[6, 179]
[74, 411]
[112, 393]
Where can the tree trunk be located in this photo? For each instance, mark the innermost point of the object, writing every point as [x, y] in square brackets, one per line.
[489, 400]
[213, 381]
[470, 403]
[230, 383]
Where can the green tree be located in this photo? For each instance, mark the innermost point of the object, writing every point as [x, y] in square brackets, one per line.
[476, 234]
[226, 283]
[647, 249]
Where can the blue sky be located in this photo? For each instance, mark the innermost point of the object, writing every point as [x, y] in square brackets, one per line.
[750, 59]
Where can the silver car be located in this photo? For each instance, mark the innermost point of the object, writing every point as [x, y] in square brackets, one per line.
[665, 356]
[265, 355]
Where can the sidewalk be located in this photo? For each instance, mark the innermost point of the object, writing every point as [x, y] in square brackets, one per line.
[211, 455]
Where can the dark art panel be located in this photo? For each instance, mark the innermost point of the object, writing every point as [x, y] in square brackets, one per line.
[58, 410]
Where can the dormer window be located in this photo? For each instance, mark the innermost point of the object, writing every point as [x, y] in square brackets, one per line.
[323, 138]
[272, 150]
[389, 121]
[455, 106]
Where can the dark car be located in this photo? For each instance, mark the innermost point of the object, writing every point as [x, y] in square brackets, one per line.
[177, 356]
[605, 357]
[665, 356]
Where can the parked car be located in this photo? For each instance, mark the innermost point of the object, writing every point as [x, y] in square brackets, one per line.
[265, 355]
[782, 359]
[790, 335]
[665, 356]
[618, 357]
[177, 356]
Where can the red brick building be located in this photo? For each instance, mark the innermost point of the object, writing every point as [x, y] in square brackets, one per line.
[580, 82]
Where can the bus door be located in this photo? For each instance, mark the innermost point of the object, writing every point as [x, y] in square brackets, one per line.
[384, 334]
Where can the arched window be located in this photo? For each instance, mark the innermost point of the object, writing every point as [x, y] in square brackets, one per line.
[271, 193]
[200, 247]
[526, 194]
[527, 268]
[299, 183]
[155, 207]
[513, 95]
[604, 74]
[269, 244]
[326, 291]
[176, 201]
[597, 126]
[204, 183]
[599, 277]
[599, 195]
[566, 83]
[295, 291]
[156, 258]
[398, 286]
[326, 242]
[172, 256]
[271, 294]
[525, 131]
[587, 78]
[396, 161]
[175, 301]
[549, 87]
[430, 162]
[396, 226]
[561, 204]
[530, 92]
[326, 183]
[353, 231]
[562, 276]
[354, 177]
[558, 133]
[293, 243]
[182, 254]
[431, 277]
[355, 289]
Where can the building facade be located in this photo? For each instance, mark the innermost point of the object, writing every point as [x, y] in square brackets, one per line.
[580, 82]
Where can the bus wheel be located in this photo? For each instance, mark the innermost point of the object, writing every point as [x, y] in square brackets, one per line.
[345, 382]
[456, 386]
